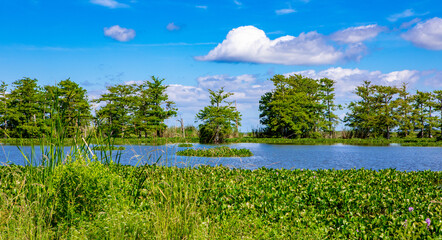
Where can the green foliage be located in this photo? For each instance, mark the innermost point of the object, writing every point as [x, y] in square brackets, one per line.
[153, 107]
[92, 200]
[216, 152]
[382, 109]
[135, 109]
[299, 107]
[185, 145]
[107, 148]
[218, 121]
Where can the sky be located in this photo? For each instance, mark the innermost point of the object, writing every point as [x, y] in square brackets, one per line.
[198, 45]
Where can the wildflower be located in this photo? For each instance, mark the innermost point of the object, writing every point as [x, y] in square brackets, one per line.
[357, 230]
[410, 209]
[428, 222]
[405, 224]
[314, 176]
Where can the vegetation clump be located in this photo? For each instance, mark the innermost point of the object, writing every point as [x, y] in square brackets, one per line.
[185, 145]
[216, 152]
[107, 148]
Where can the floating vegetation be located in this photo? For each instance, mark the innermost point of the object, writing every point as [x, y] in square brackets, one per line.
[216, 152]
[108, 148]
[185, 145]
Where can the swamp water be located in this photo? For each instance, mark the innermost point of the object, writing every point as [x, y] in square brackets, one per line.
[273, 156]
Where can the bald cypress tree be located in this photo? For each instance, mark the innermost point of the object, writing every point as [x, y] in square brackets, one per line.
[218, 120]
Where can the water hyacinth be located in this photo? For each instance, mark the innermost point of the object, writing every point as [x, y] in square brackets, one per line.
[428, 221]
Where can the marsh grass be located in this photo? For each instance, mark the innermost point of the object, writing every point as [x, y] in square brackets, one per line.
[223, 151]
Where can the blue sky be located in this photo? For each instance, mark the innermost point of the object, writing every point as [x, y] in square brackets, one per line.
[239, 44]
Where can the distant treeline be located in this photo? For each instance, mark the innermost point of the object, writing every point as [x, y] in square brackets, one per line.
[30, 111]
[298, 107]
[304, 107]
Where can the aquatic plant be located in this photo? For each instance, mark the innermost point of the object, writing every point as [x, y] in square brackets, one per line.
[216, 152]
[185, 145]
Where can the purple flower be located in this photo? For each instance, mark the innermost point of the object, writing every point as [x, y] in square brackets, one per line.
[405, 224]
[410, 209]
[357, 230]
[314, 176]
[428, 222]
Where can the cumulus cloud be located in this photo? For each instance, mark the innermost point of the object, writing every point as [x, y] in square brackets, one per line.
[406, 13]
[109, 3]
[250, 44]
[172, 27]
[357, 34]
[120, 34]
[285, 11]
[426, 34]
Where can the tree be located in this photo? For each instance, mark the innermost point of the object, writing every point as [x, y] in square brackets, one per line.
[385, 108]
[4, 108]
[74, 106]
[296, 107]
[421, 112]
[438, 107]
[114, 118]
[327, 95]
[25, 115]
[218, 120]
[405, 121]
[361, 115]
[152, 107]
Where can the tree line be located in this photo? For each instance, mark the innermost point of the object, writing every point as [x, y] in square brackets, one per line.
[304, 107]
[30, 111]
[297, 107]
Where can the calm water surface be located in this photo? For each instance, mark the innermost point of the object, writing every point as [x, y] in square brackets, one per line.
[277, 156]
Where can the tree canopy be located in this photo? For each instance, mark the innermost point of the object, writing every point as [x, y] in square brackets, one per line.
[219, 119]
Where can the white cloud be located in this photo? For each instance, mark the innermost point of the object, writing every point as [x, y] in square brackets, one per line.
[109, 3]
[408, 24]
[173, 27]
[250, 44]
[120, 34]
[426, 34]
[357, 34]
[285, 11]
[237, 2]
[201, 7]
[406, 13]
[401, 76]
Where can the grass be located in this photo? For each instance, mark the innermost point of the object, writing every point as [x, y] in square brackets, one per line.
[185, 145]
[216, 152]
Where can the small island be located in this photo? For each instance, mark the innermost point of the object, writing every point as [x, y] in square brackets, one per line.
[185, 145]
[216, 152]
[108, 148]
